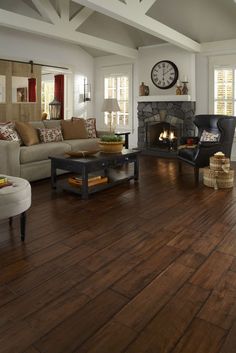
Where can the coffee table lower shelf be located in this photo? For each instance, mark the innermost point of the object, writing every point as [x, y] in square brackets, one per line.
[112, 181]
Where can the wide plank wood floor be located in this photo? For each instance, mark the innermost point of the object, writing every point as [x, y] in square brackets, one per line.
[146, 267]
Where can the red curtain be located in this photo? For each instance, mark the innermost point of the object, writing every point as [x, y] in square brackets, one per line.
[32, 89]
[59, 92]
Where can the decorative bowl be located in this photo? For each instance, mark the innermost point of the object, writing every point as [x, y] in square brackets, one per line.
[111, 147]
[82, 153]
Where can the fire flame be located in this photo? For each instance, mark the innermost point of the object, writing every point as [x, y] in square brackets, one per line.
[164, 135]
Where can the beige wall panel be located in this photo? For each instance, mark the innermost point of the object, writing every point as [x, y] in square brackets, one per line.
[3, 113]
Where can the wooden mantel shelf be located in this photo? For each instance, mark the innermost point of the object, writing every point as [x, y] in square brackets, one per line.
[165, 98]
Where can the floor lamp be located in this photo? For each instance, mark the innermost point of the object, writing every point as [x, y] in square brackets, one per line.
[110, 105]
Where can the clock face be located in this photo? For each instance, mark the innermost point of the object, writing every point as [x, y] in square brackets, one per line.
[164, 74]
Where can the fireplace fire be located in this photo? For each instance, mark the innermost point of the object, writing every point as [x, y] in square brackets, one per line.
[167, 139]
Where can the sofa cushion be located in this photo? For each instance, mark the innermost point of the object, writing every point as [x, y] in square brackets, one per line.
[27, 133]
[74, 129]
[37, 124]
[42, 151]
[90, 124]
[50, 135]
[83, 144]
[50, 124]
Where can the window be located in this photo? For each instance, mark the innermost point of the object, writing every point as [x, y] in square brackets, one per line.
[118, 84]
[47, 93]
[225, 91]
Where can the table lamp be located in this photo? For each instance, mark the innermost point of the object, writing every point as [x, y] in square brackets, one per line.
[110, 105]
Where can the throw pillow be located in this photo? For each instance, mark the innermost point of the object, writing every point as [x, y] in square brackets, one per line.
[50, 135]
[27, 133]
[9, 133]
[91, 127]
[74, 129]
[209, 136]
[90, 124]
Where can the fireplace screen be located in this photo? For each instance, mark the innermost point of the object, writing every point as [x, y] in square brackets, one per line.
[163, 135]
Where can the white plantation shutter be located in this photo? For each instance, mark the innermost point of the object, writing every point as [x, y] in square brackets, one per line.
[224, 91]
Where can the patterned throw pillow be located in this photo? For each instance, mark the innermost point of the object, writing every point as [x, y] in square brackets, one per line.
[50, 135]
[90, 124]
[209, 136]
[9, 133]
[91, 127]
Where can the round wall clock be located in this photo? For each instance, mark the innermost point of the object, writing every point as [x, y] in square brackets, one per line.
[164, 74]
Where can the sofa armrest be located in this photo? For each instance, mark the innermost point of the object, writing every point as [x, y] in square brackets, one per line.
[9, 158]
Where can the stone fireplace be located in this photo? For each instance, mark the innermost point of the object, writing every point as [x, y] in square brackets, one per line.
[162, 124]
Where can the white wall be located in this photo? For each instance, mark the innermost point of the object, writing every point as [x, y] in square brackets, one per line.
[185, 61]
[16, 45]
[202, 84]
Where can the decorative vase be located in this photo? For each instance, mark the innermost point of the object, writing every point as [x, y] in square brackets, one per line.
[142, 89]
[185, 88]
[111, 147]
[178, 90]
[146, 91]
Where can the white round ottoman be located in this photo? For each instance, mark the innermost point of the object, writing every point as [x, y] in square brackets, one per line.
[15, 200]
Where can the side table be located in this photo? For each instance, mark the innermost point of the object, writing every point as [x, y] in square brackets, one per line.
[126, 135]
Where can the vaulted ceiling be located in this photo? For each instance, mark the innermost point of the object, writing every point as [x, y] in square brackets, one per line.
[121, 26]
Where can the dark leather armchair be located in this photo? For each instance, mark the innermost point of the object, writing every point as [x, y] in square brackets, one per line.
[199, 156]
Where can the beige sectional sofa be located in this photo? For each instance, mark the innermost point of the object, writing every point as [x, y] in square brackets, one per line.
[31, 162]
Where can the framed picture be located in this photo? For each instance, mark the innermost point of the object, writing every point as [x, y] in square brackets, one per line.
[21, 94]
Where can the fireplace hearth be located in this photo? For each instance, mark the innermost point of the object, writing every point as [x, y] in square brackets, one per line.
[162, 124]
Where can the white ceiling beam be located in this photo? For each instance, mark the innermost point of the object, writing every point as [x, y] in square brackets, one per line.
[20, 22]
[80, 18]
[120, 11]
[64, 8]
[145, 5]
[46, 10]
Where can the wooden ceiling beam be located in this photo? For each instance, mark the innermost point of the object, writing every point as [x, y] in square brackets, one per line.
[20, 22]
[80, 18]
[138, 19]
[64, 8]
[46, 10]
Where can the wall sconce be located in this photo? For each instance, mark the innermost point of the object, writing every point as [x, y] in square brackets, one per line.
[87, 91]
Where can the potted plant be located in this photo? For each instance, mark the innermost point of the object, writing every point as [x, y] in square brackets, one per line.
[111, 144]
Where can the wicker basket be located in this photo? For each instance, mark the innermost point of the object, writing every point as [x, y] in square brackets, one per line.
[218, 179]
[219, 164]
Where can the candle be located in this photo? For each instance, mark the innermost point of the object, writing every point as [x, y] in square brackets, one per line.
[178, 83]
[185, 78]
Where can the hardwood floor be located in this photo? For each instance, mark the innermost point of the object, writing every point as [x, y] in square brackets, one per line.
[141, 268]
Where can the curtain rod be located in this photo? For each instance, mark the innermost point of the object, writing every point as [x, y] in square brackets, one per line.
[32, 62]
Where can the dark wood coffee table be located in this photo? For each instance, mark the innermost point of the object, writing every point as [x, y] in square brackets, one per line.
[118, 167]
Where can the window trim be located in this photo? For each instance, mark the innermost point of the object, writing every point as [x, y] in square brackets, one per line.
[118, 70]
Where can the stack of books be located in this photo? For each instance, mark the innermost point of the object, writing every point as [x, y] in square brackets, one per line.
[4, 182]
[92, 181]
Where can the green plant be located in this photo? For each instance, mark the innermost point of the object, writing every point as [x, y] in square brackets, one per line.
[111, 138]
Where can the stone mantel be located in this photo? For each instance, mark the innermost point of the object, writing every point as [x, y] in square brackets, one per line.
[165, 98]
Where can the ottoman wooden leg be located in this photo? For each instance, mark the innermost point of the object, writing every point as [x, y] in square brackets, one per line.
[22, 225]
